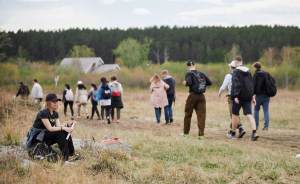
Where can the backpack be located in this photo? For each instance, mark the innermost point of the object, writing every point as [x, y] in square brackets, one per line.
[247, 86]
[106, 92]
[270, 85]
[199, 83]
[69, 95]
[41, 151]
[115, 90]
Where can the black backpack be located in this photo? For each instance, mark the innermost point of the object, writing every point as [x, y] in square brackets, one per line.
[106, 92]
[199, 83]
[246, 86]
[270, 85]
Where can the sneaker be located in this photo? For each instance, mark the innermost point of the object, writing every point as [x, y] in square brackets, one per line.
[254, 137]
[242, 132]
[231, 135]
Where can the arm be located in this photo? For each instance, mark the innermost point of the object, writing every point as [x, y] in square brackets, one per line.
[208, 81]
[188, 79]
[225, 84]
[55, 128]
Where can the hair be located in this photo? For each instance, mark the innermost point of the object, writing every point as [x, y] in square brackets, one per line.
[81, 86]
[113, 78]
[154, 78]
[238, 58]
[164, 72]
[190, 63]
[67, 86]
[103, 80]
[94, 86]
[35, 80]
[257, 65]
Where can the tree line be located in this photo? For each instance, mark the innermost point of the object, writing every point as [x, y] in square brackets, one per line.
[201, 44]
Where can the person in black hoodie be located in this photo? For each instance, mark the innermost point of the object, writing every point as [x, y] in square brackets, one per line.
[262, 99]
[242, 96]
[170, 94]
[23, 91]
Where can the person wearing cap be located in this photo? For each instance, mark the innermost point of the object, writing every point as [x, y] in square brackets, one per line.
[260, 93]
[242, 96]
[197, 82]
[81, 99]
[226, 85]
[47, 121]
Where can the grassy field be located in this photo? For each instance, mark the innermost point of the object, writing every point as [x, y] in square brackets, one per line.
[159, 154]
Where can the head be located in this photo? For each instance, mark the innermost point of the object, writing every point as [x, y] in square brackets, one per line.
[232, 65]
[155, 78]
[103, 80]
[67, 86]
[35, 80]
[190, 65]
[113, 78]
[21, 84]
[256, 65]
[94, 86]
[52, 102]
[239, 61]
[164, 73]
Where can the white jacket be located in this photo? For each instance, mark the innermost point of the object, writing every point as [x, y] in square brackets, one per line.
[81, 95]
[37, 91]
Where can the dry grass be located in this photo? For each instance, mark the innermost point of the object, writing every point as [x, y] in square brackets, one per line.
[160, 155]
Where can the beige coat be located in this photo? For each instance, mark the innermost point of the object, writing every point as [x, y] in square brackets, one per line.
[158, 96]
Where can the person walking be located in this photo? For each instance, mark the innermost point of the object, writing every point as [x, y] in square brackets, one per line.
[23, 91]
[116, 99]
[197, 83]
[260, 93]
[68, 99]
[37, 93]
[158, 97]
[81, 98]
[242, 96]
[226, 85]
[94, 101]
[105, 99]
[168, 79]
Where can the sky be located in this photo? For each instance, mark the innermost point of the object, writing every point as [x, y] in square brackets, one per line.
[98, 14]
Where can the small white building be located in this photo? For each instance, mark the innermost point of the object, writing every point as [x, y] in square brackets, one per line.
[89, 64]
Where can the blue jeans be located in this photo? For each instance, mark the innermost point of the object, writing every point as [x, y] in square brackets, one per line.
[262, 100]
[157, 111]
[168, 111]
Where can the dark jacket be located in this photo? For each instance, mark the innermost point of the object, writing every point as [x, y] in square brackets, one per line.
[32, 134]
[23, 90]
[190, 79]
[171, 90]
[259, 82]
[242, 84]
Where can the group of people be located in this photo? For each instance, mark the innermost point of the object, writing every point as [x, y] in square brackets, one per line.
[244, 91]
[107, 94]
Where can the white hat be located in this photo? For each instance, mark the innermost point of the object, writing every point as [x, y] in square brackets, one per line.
[79, 82]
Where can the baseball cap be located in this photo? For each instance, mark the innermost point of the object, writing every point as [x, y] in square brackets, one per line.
[190, 63]
[51, 97]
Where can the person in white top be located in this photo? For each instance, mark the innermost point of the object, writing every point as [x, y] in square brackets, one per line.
[81, 98]
[116, 98]
[37, 93]
[226, 85]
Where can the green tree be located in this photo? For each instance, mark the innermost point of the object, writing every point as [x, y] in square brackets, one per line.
[132, 52]
[81, 51]
[4, 43]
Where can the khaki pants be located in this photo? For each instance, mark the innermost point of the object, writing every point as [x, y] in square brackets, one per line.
[197, 102]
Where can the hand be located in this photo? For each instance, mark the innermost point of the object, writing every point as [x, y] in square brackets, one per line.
[184, 82]
[70, 123]
[236, 100]
[68, 129]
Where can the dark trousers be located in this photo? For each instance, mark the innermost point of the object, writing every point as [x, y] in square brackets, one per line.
[59, 137]
[107, 110]
[195, 102]
[70, 103]
[118, 111]
[95, 109]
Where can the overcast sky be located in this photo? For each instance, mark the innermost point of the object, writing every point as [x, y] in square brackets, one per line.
[64, 14]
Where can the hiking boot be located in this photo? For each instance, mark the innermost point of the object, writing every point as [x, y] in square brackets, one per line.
[242, 132]
[254, 137]
[231, 135]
